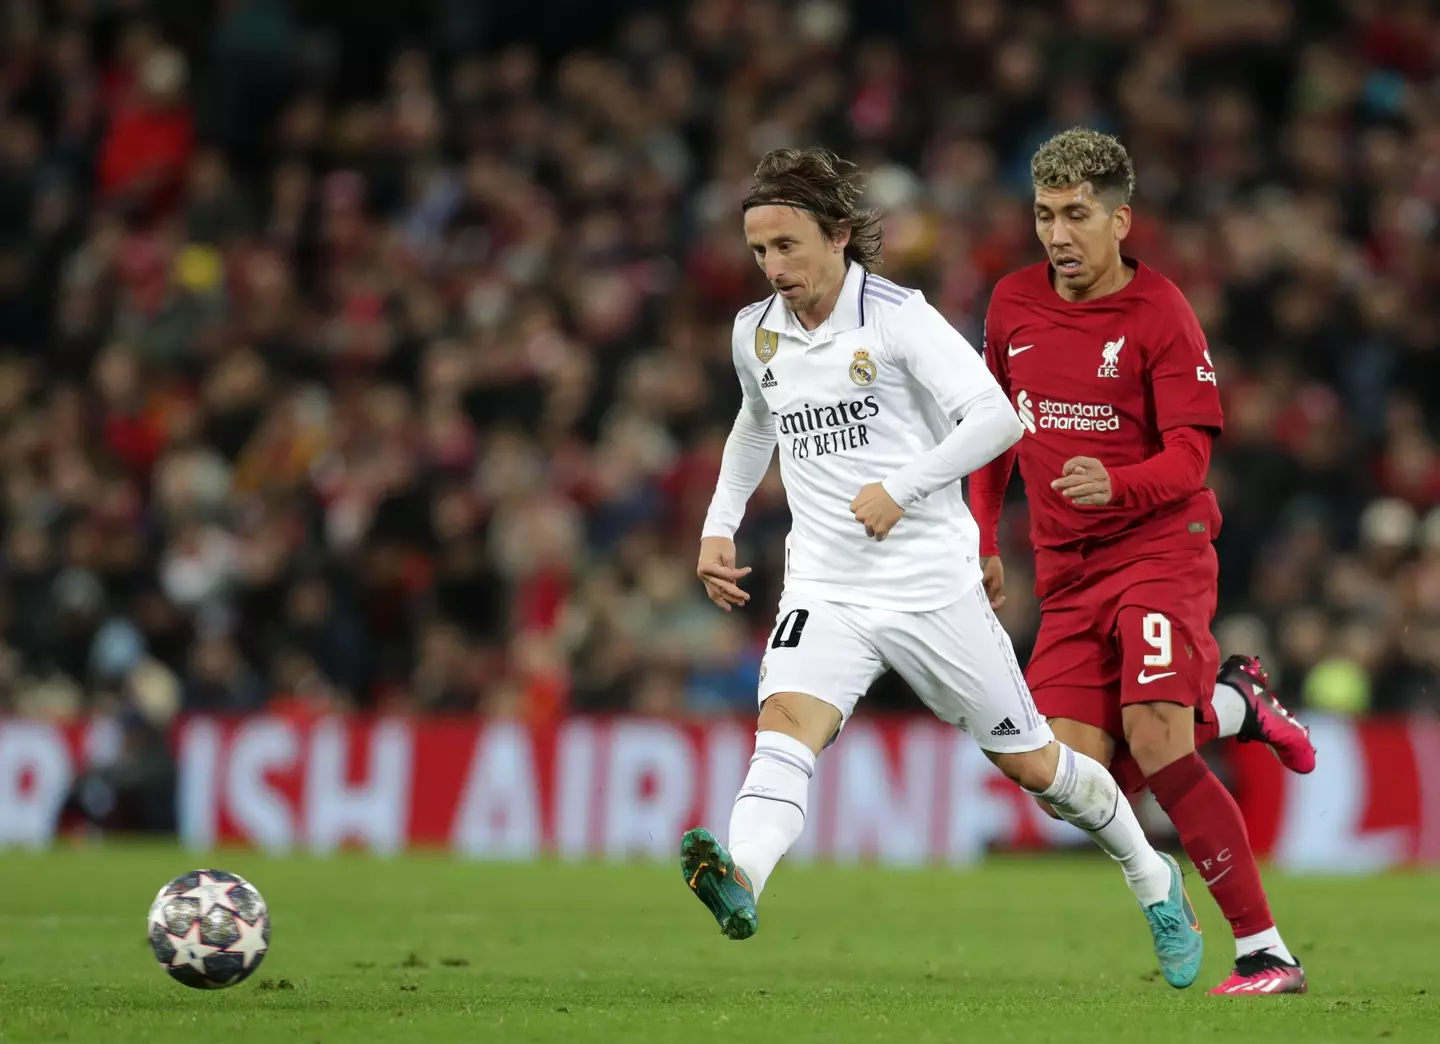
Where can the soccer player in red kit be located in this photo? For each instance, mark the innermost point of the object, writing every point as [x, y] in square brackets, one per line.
[1108, 369]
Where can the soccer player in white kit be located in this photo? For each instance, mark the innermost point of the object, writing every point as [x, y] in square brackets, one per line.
[878, 407]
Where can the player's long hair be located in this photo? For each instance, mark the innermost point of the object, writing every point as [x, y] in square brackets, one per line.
[830, 188]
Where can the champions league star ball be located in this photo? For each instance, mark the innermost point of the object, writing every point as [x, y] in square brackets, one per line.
[209, 929]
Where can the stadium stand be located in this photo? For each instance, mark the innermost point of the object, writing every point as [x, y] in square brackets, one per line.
[376, 355]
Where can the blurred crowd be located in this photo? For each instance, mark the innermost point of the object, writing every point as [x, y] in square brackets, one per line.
[362, 355]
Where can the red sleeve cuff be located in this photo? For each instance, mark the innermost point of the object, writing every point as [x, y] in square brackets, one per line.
[1119, 488]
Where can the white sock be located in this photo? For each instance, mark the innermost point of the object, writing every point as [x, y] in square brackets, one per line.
[1086, 795]
[769, 812]
[1230, 709]
[1269, 939]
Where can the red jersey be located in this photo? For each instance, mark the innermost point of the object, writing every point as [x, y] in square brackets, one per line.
[1107, 379]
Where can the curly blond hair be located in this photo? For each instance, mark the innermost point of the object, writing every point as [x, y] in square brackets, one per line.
[1079, 155]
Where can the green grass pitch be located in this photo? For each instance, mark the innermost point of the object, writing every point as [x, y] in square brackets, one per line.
[430, 949]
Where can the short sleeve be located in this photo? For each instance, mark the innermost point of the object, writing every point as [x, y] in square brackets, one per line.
[1181, 373]
[940, 360]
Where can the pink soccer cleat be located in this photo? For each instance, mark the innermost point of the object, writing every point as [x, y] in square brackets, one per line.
[1266, 719]
[1264, 974]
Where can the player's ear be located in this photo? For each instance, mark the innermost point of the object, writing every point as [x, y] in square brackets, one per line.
[1122, 217]
[841, 239]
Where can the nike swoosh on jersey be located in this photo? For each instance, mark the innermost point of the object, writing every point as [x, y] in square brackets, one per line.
[1016, 351]
[1146, 679]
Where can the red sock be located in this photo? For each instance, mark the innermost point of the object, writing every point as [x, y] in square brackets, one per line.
[1213, 833]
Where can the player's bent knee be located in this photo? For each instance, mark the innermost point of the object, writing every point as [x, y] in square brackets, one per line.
[1094, 742]
[808, 719]
[1033, 770]
[1158, 733]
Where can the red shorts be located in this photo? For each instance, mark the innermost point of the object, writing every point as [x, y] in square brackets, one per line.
[1118, 628]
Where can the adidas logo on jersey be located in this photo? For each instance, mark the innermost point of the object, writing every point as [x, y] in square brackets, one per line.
[767, 380]
[1005, 728]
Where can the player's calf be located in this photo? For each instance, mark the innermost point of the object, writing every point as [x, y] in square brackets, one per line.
[1095, 743]
[1213, 833]
[1033, 770]
[768, 817]
[1082, 792]
[769, 812]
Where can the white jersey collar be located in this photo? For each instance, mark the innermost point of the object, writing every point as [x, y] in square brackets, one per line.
[848, 314]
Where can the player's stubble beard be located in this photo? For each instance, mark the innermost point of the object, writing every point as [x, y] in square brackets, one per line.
[808, 306]
[803, 306]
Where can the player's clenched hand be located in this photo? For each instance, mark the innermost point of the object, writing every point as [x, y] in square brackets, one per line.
[1084, 481]
[716, 570]
[992, 572]
[876, 510]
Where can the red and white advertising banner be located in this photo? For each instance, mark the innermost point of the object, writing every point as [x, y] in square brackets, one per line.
[903, 791]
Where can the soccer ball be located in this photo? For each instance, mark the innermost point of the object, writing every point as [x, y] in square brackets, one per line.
[209, 929]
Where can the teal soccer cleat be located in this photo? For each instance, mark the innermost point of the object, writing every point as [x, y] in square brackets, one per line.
[721, 885]
[1176, 929]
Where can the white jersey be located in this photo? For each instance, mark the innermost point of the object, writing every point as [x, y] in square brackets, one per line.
[877, 385]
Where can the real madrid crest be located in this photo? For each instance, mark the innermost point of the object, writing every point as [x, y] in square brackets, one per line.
[862, 368]
[767, 343]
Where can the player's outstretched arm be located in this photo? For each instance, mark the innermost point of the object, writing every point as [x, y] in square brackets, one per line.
[949, 368]
[1181, 379]
[987, 427]
[748, 450]
[1178, 471]
[988, 482]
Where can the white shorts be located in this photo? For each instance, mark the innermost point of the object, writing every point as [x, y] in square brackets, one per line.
[958, 659]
